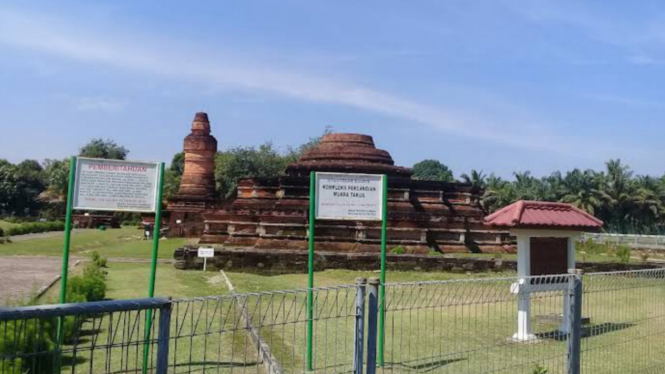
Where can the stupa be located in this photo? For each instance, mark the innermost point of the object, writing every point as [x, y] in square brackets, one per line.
[197, 187]
[271, 213]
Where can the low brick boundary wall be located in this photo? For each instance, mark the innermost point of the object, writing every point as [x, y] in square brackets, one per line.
[289, 262]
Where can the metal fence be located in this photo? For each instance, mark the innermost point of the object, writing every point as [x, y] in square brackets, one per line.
[656, 242]
[596, 323]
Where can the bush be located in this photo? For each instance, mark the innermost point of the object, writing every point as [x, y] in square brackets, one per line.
[35, 227]
[90, 286]
[2, 232]
[433, 252]
[592, 248]
[540, 370]
[99, 260]
[27, 339]
[397, 250]
[623, 253]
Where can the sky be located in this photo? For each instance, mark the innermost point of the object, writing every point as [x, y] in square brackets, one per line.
[498, 86]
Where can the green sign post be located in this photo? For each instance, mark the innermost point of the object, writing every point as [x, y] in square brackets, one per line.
[126, 186]
[345, 196]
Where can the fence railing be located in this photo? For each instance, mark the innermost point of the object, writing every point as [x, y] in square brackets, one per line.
[596, 323]
[633, 240]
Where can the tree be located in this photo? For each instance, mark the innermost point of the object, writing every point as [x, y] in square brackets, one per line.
[432, 170]
[20, 185]
[251, 162]
[178, 163]
[498, 194]
[477, 179]
[173, 175]
[8, 187]
[247, 162]
[580, 189]
[99, 148]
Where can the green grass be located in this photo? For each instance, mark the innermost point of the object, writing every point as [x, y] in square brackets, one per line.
[124, 242]
[245, 282]
[458, 327]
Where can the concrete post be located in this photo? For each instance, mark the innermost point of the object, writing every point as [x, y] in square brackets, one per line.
[565, 320]
[372, 324]
[358, 353]
[575, 325]
[524, 296]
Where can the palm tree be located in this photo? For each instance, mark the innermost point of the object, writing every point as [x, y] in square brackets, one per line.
[498, 193]
[617, 193]
[648, 203]
[477, 179]
[580, 189]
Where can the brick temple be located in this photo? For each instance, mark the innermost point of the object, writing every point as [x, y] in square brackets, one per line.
[272, 213]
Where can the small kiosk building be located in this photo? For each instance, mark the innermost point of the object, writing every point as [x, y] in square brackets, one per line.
[546, 234]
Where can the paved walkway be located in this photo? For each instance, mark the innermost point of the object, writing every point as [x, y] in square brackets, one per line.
[23, 276]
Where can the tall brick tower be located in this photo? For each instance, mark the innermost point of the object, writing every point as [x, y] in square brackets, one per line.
[198, 178]
[197, 187]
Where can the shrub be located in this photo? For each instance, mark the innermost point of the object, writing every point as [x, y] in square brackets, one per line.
[433, 252]
[35, 227]
[397, 250]
[540, 370]
[90, 286]
[592, 248]
[623, 253]
[26, 339]
[2, 232]
[98, 260]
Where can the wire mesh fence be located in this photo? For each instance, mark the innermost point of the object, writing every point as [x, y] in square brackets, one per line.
[103, 337]
[624, 329]
[474, 326]
[493, 325]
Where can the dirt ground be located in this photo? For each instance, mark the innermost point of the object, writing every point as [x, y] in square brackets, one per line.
[21, 276]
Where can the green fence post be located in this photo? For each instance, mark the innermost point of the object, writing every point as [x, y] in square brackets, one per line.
[65, 251]
[382, 290]
[310, 276]
[153, 265]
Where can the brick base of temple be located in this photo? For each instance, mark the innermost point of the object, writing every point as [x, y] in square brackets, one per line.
[272, 262]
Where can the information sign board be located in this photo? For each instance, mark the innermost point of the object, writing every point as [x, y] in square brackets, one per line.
[346, 196]
[206, 252]
[115, 185]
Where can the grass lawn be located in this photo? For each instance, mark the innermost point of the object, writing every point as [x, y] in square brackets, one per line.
[244, 282]
[124, 242]
[459, 327]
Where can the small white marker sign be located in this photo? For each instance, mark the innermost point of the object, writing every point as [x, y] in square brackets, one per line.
[206, 252]
[123, 186]
[345, 196]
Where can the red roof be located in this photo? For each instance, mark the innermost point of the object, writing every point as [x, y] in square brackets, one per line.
[543, 215]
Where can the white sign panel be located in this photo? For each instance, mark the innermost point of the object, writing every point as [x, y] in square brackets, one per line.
[345, 196]
[115, 185]
[206, 252]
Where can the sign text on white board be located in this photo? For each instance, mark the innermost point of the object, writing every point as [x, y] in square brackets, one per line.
[115, 185]
[349, 196]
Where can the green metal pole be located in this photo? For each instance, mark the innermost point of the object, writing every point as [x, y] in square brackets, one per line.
[153, 265]
[382, 290]
[65, 250]
[310, 276]
[158, 227]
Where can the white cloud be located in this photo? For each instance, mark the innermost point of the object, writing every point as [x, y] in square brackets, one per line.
[59, 38]
[94, 103]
